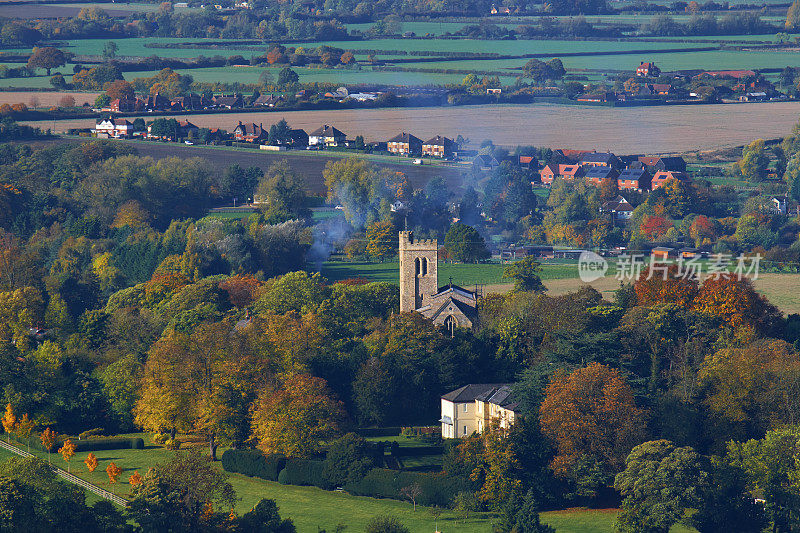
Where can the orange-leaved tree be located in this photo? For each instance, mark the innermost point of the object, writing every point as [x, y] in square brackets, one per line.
[295, 416]
[592, 417]
[24, 429]
[91, 462]
[665, 286]
[113, 472]
[9, 421]
[135, 479]
[67, 451]
[735, 303]
[48, 437]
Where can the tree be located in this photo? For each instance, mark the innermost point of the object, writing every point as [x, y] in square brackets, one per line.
[464, 243]
[735, 303]
[528, 520]
[110, 50]
[264, 518]
[135, 479]
[464, 503]
[113, 472]
[288, 77]
[525, 274]
[348, 460]
[382, 240]
[91, 462]
[9, 421]
[24, 429]
[664, 286]
[67, 451]
[47, 58]
[282, 191]
[48, 437]
[386, 524]
[591, 415]
[295, 416]
[754, 161]
[18, 506]
[120, 89]
[411, 493]
[659, 483]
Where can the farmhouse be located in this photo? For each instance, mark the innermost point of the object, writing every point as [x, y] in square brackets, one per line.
[648, 70]
[404, 144]
[470, 408]
[326, 135]
[450, 306]
[439, 146]
[228, 102]
[267, 100]
[249, 132]
[113, 128]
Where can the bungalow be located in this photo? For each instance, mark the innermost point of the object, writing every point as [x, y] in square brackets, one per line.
[619, 208]
[469, 409]
[228, 102]
[598, 159]
[404, 144]
[662, 253]
[597, 175]
[187, 129]
[267, 100]
[661, 177]
[439, 146]
[113, 128]
[633, 179]
[326, 135]
[485, 162]
[753, 97]
[570, 172]
[648, 70]
[249, 132]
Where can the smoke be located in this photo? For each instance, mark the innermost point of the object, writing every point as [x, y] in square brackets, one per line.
[329, 234]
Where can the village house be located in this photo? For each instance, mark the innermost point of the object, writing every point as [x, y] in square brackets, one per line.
[250, 132]
[113, 128]
[267, 100]
[619, 208]
[485, 162]
[187, 129]
[596, 175]
[339, 94]
[648, 70]
[326, 135]
[662, 176]
[228, 102]
[597, 98]
[548, 174]
[529, 162]
[736, 74]
[572, 155]
[570, 172]
[124, 105]
[439, 146]
[189, 102]
[156, 102]
[363, 97]
[470, 409]
[662, 89]
[600, 159]
[633, 179]
[404, 144]
[657, 163]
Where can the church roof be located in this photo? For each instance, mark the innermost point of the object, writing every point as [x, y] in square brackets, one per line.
[455, 288]
[466, 309]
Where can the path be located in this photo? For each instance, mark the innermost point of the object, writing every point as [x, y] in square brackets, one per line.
[103, 493]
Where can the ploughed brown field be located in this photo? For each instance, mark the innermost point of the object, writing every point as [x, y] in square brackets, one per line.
[45, 99]
[658, 129]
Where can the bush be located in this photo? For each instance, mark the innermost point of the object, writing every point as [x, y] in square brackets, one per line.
[172, 444]
[254, 463]
[437, 489]
[379, 432]
[96, 432]
[304, 472]
[416, 451]
[88, 445]
[160, 438]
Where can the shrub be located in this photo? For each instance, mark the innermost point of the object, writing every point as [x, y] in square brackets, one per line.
[160, 438]
[87, 445]
[172, 444]
[254, 463]
[379, 432]
[96, 432]
[437, 489]
[304, 472]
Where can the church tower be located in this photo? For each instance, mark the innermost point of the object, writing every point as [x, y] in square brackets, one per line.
[418, 271]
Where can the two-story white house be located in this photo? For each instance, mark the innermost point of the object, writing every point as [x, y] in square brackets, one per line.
[113, 128]
[470, 408]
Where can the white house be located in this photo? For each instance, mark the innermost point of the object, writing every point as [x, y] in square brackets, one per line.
[470, 408]
[113, 128]
[326, 135]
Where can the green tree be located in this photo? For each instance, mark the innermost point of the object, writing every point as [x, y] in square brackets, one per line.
[264, 518]
[525, 274]
[110, 50]
[464, 243]
[659, 483]
[282, 192]
[47, 58]
[386, 524]
[348, 460]
[288, 77]
[754, 161]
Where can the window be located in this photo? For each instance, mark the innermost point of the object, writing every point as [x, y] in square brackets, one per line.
[465, 407]
[465, 430]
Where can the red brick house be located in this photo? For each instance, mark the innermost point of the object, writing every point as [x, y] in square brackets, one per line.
[405, 144]
[570, 172]
[548, 174]
[648, 70]
[661, 177]
[634, 179]
[249, 132]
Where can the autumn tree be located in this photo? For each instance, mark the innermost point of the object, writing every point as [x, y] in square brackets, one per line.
[113, 472]
[67, 451]
[591, 415]
[47, 57]
[120, 89]
[91, 462]
[735, 303]
[655, 227]
[9, 421]
[754, 161]
[48, 438]
[665, 284]
[135, 479]
[793, 16]
[295, 416]
[496, 468]
[24, 429]
[382, 240]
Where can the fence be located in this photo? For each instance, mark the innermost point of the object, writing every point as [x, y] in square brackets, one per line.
[103, 493]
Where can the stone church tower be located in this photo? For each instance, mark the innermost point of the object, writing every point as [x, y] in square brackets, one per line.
[450, 306]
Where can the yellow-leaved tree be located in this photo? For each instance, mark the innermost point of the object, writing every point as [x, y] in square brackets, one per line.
[113, 472]
[91, 462]
[24, 429]
[48, 437]
[9, 421]
[67, 451]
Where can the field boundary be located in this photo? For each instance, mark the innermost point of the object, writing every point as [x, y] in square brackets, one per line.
[103, 493]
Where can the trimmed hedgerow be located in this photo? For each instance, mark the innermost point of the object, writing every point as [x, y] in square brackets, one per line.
[437, 489]
[253, 463]
[304, 472]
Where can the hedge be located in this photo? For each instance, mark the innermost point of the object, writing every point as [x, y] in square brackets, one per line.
[437, 489]
[416, 451]
[304, 472]
[87, 445]
[253, 463]
[379, 432]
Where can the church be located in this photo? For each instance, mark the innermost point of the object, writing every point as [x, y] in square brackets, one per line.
[450, 306]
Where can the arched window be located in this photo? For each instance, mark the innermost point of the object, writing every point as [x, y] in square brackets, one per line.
[450, 323]
[424, 266]
[416, 267]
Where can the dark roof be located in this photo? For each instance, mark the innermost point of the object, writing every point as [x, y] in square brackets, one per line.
[600, 173]
[468, 393]
[439, 140]
[502, 396]
[617, 204]
[326, 131]
[405, 138]
[598, 157]
[633, 174]
[251, 129]
[485, 159]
